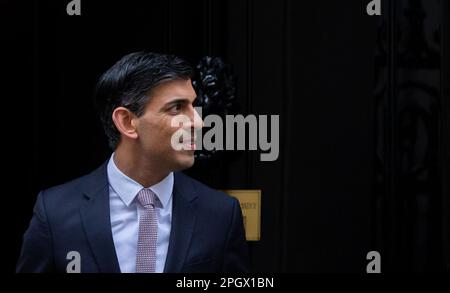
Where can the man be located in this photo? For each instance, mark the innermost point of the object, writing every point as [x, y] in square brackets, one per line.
[137, 212]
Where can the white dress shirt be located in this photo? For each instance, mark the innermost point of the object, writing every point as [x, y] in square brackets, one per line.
[125, 212]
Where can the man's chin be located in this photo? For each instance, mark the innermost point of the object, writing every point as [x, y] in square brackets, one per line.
[185, 160]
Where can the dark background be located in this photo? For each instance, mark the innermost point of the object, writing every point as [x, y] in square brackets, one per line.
[363, 102]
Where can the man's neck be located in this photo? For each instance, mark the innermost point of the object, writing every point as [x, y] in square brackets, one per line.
[137, 168]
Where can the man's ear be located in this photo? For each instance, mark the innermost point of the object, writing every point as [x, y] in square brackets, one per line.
[124, 121]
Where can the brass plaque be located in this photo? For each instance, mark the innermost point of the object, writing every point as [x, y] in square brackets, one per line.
[250, 200]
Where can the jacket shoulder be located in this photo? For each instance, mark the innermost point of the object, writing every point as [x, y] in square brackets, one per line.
[213, 197]
[72, 191]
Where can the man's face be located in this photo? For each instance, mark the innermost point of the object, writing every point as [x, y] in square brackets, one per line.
[167, 101]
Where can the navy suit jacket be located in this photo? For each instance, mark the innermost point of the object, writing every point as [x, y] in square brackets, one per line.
[207, 233]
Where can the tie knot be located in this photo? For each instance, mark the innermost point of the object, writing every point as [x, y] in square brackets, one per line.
[146, 197]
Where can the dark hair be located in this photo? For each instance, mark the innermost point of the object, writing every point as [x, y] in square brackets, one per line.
[128, 82]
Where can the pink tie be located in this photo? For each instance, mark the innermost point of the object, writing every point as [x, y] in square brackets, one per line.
[148, 233]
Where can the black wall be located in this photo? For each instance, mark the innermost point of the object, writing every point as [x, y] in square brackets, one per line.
[363, 103]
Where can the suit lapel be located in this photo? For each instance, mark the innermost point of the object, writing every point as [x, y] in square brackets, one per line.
[95, 216]
[183, 221]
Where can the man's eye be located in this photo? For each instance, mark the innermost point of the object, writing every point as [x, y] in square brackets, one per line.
[176, 108]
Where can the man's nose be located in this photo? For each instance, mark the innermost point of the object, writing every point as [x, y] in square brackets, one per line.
[198, 121]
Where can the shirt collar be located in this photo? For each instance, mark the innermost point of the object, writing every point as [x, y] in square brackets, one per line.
[127, 188]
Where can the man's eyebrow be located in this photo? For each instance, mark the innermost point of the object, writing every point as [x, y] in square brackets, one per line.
[179, 100]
